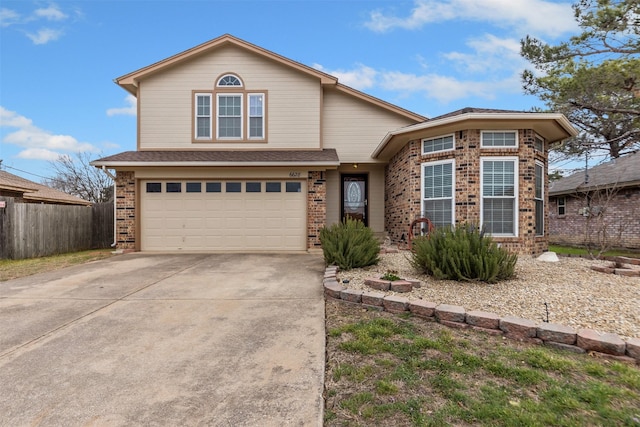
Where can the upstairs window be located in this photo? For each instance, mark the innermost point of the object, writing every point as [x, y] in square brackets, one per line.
[256, 115]
[230, 116]
[230, 112]
[229, 80]
[499, 139]
[443, 143]
[538, 144]
[203, 116]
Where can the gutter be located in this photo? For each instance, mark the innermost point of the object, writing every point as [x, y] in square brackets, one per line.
[104, 169]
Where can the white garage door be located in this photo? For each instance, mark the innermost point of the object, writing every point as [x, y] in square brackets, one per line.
[208, 215]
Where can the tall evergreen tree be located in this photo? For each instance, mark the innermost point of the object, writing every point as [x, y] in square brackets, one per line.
[594, 77]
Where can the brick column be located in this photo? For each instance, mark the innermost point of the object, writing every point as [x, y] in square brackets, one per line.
[316, 207]
[125, 210]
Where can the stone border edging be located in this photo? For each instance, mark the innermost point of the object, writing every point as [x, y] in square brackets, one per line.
[550, 334]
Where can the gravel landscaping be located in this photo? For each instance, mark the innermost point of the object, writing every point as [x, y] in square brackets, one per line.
[576, 296]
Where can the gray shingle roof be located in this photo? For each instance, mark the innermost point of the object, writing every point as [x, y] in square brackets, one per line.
[623, 172]
[37, 192]
[328, 156]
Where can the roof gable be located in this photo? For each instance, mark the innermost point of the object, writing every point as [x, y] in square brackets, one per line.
[130, 81]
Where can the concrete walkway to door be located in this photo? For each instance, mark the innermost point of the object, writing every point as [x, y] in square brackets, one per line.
[165, 339]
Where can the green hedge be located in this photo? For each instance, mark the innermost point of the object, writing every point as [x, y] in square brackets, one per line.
[463, 253]
[349, 244]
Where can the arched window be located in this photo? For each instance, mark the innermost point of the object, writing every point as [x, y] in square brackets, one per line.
[229, 80]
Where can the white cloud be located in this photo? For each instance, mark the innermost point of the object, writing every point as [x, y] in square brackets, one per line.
[51, 13]
[45, 35]
[38, 143]
[361, 77]
[8, 17]
[130, 110]
[38, 154]
[489, 54]
[537, 17]
[27, 24]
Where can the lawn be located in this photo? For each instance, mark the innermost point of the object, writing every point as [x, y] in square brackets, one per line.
[13, 269]
[391, 370]
[576, 251]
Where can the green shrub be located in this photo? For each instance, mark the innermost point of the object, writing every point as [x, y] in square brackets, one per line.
[349, 244]
[464, 254]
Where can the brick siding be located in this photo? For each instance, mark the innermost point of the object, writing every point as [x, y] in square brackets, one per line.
[125, 210]
[619, 220]
[316, 207]
[403, 195]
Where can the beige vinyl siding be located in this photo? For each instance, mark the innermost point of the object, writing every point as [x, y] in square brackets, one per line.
[376, 194]
[292, 109]
[355, 128]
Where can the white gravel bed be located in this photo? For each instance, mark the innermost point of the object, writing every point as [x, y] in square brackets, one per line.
[576, 296]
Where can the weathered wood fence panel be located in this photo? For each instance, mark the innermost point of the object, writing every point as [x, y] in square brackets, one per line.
[29, 230]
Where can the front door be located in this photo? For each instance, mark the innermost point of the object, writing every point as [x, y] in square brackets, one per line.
[354, 197]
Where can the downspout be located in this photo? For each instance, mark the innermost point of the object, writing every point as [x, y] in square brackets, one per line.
[104, 169]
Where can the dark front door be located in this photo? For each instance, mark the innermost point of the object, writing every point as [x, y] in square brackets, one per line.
[354, 197]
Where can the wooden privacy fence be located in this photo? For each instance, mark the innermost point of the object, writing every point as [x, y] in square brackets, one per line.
[29, 230]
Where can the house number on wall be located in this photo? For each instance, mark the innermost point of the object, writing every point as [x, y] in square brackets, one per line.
[294, 174]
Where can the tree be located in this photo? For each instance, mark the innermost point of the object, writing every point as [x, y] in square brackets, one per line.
[75, 176]
[594, 78]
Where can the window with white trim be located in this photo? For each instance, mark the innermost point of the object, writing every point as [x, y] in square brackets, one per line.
[538, 144]
[539, 198]
[229, 112]
[256, 115]
[229, 120]
[499, 139]
[434, 145]
[438, 189]
[562, 206]
[498, 176]
[203, 116]
[229, 80]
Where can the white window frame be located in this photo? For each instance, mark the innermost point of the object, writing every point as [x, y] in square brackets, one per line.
[453, 144]
[538, 140]
[229, 86]
[249, 116]
[539, 233]
[562, 205]
[424, 198]
[197, 116]
[229, 94]
[499, 147]
[515, 197]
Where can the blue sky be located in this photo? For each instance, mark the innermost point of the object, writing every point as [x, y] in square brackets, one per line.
[58, 59]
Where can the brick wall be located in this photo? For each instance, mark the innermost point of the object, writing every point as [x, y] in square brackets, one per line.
[125, 210]
[617, 226]
[403, 196]
[316, 207]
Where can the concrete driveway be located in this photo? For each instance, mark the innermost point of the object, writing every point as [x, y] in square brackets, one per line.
[157, 339]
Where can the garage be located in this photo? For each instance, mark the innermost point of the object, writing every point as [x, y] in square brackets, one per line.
[223, 215]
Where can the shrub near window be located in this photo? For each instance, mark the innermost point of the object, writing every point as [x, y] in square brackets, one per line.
[463, 253]
[349, 244]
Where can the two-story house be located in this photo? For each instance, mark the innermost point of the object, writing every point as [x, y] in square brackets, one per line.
[241, 149]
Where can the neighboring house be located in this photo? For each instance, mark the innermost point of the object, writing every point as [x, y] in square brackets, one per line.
[25, 191]
[241, 149]
[600, 208]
